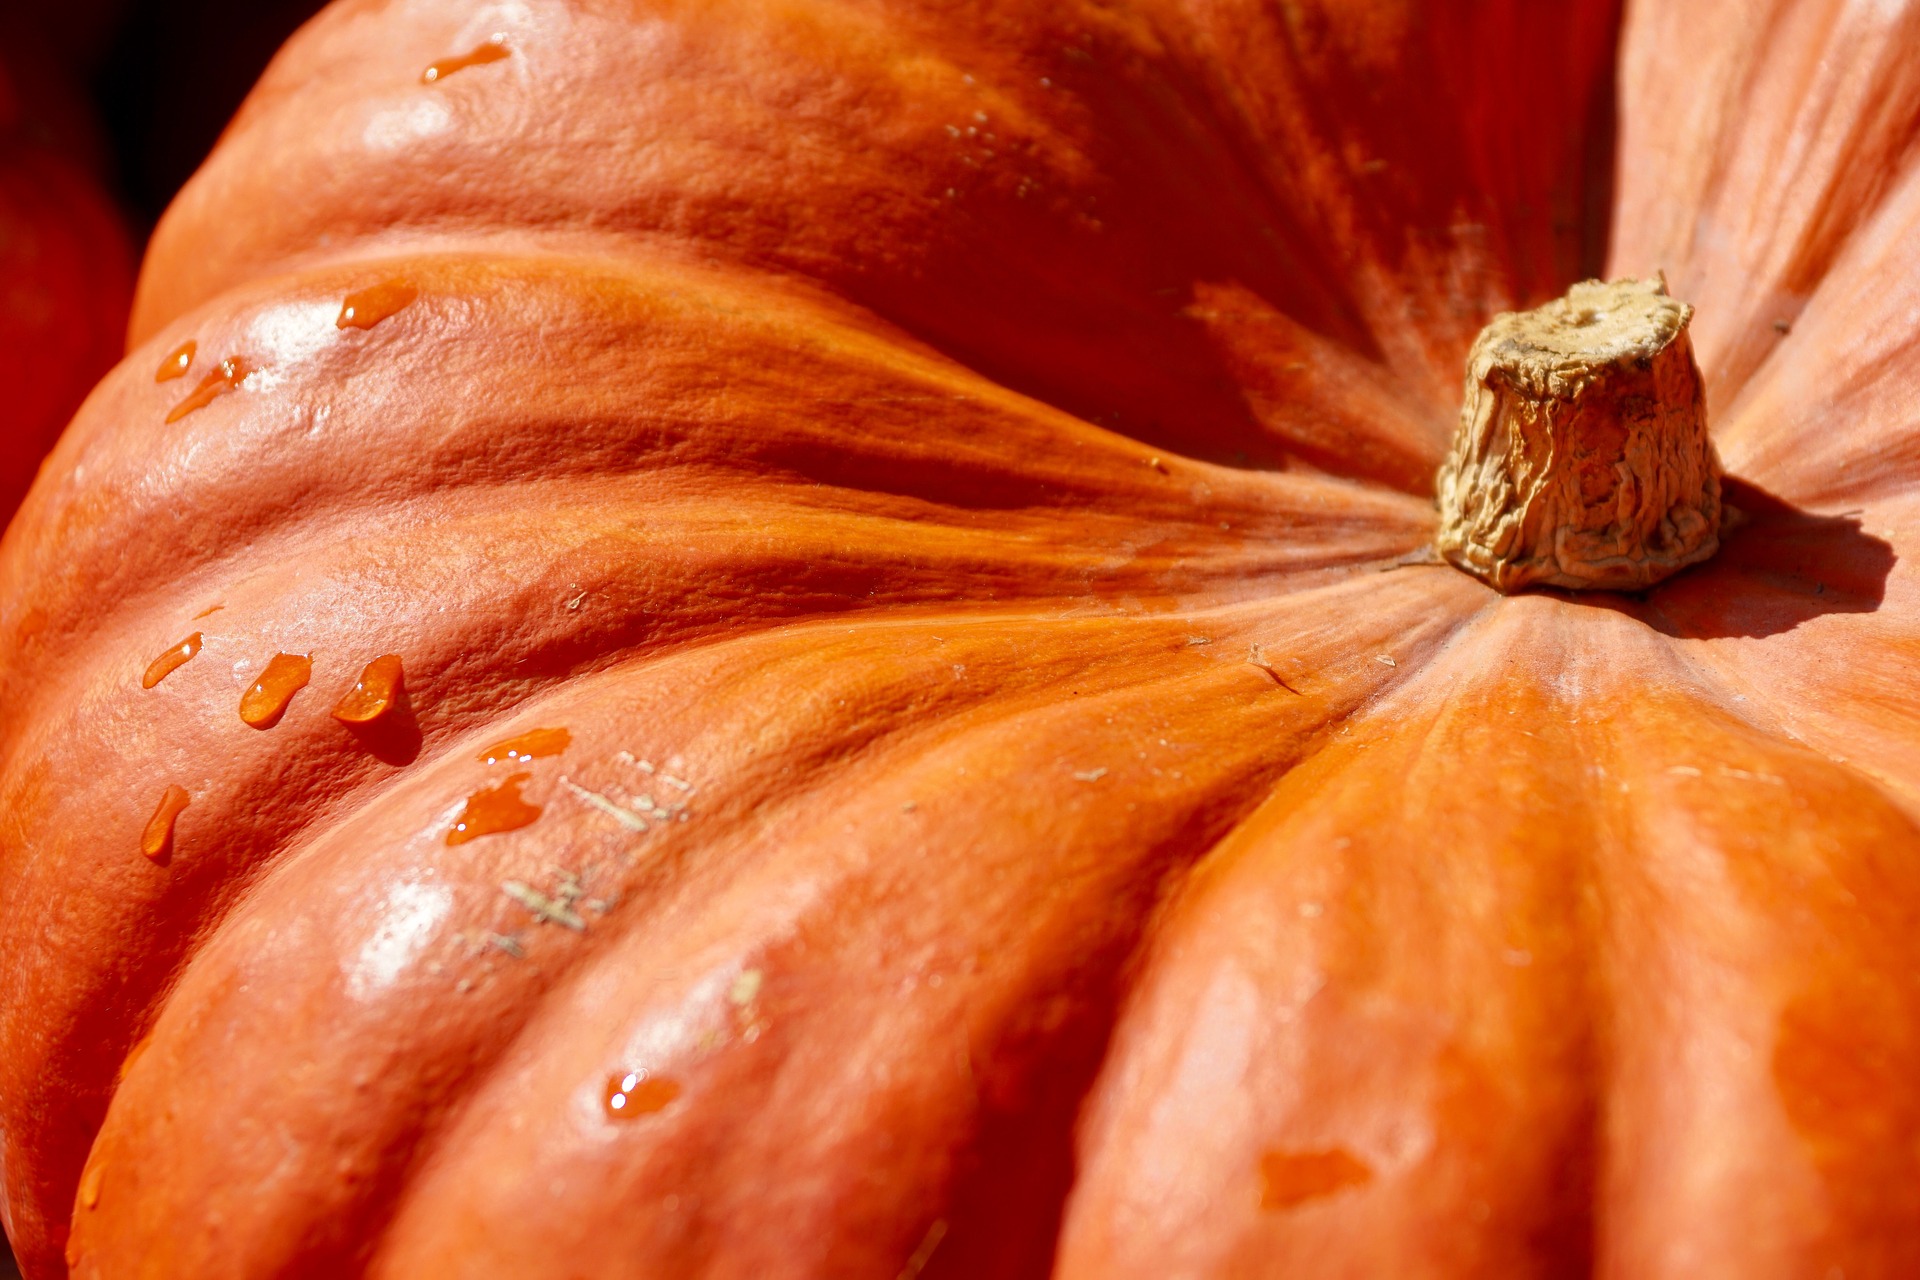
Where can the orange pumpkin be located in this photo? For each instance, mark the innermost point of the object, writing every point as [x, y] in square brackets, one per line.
[66, 270]
[776, 639]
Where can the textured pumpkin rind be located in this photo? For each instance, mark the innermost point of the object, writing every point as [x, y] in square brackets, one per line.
[1093, 860]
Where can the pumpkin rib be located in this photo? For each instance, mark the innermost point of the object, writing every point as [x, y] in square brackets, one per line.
[1101, 187]
[736, 677]
[1415, 215]
[1845, 691]
[1758, 1106]
[654, 406]
[56, 1056]
[1352, 1050]
[1651, 885]
[1860, 393]
[757, 62]
[825, 1081]
[1696, 124]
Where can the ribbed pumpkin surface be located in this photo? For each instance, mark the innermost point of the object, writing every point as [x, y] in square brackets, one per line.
[926, 745]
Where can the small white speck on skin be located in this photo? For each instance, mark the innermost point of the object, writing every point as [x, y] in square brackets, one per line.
[1311, 909]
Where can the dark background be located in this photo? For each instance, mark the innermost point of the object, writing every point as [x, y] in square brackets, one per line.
[164, 76]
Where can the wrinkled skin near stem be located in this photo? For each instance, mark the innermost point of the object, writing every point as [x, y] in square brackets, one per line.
[1096, 861]
[1582, 458]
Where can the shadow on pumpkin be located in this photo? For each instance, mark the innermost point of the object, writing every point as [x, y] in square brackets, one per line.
[1781, 568]
[392, 739]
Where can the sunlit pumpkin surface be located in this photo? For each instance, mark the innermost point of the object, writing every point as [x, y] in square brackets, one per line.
[933, 742]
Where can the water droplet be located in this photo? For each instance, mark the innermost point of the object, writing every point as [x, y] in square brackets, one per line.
[370, 306]
[157, 840]
[170, 661]
[178, 361]
[264, 704]
[90, 1184]
[492, 51]
[528, 746]
[493, 809]
[637, 1093]
[374, 694]
[231, 373]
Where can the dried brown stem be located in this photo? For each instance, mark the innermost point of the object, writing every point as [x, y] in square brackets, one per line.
[1582, 458]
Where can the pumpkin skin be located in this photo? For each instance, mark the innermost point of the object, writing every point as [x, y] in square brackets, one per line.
[64, 258]
[1107, 850]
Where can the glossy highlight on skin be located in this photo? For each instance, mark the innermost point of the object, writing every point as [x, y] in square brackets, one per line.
[494, 809]
[178, 361]
[492, 51]
[231, 373]
[374, 694]
[170, 661]
[530, 745]
[266, 701]
[157, 840]
[634, 1093]
[370, 306]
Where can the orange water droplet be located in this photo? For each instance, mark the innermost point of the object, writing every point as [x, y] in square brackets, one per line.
[157, 840]
[178, 361]
[264, 704]
[90, 1185]
[493, 809]
[492, 51]
[231, 373]
[170, 661]
[637, 1093]
[374, 694]
[528, 746]
[370, 306]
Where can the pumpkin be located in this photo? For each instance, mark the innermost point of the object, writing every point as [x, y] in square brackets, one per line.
[802, 639]
[66, 269]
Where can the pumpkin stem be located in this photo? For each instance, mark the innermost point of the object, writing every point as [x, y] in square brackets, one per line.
[1582, 458]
